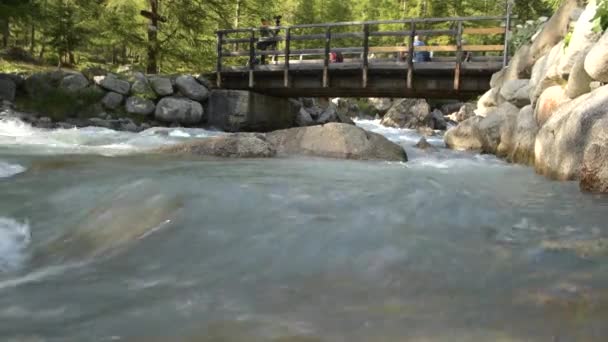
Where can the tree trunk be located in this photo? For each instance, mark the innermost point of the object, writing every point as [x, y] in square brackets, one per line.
[32, 37]
[72, 60]
[6, 32]
[153, 39]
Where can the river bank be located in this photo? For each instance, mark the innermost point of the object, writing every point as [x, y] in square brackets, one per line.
[547, 108]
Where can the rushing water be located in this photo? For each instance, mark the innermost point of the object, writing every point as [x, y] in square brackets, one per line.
[100, 241]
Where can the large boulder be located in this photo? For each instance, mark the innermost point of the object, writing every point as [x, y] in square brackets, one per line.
[582, 39]
[112, 83]
[240, 145]
[112, 100]
[179, 110]
[577, 125]
[545, 73]
[579, 82]
[336, 140]
[516, 91]
[42, 84]
[519, 66]
[524, 136]
[74, 83]
[303, 118]
[466, 111]
[139, 106]
[8, 89]
[380, 105]
[596, 62]
[330, 114]
[553, 31]
[189, 87]
[594, 171]
[162, 86]
[17, 79]
[549, 101]
[465, 136]
[141, 87]
[488, 101]
[438, 121]
[408, 113]
[496, 130]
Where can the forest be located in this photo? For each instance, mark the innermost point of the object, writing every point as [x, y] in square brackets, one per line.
[179, 35]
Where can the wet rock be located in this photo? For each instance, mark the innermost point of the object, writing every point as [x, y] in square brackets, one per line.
[465, 136]
[162, 86]
[408, 113]
[8, 89]
[549, 101]
[139, 106]
[74, 83]
[425, 145]
[438, 121]
[524, 137]
[425, 131]
[111, 83]
[336, 140]
[112, 100]
[129, 126]
[179, 110]
[238, 145]
[561, 143]
[190, 88]
[517, 92]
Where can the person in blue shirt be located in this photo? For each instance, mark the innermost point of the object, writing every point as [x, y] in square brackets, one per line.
[421, 56]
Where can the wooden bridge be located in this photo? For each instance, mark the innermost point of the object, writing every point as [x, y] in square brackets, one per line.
[299, 63]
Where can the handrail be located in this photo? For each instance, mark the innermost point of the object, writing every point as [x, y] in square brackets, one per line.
[456, 30]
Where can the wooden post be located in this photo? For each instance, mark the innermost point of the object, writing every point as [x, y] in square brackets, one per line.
[459, 57]
[410, 57]
[218, 67]
[365, 53]
[505, 57]
[251, 58]
[326, 59]
[287, 52]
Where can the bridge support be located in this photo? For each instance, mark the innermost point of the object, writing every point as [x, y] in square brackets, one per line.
[246, 111]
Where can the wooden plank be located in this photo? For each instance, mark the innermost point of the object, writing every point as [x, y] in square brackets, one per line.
[453, 48]
[379, 49]
[408, 33]
[484, 30]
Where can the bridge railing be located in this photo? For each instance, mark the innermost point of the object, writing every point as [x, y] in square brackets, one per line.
[229, 46]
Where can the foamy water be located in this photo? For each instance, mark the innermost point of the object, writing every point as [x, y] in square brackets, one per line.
[8, 169]
[14, 240]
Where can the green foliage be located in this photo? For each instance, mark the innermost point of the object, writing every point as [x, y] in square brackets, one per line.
[600, 20]
[523, 33]
[60, 105]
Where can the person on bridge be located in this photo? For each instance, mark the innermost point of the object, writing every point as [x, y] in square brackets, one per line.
[421, 56]
[266, 38]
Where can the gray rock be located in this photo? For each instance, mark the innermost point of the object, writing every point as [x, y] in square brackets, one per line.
[112, 100]
[112, 83]
[304, 119]
[488, 102]
[307, 102]
[74, 83]
[8, 89]
[596, 62]
[190, 88]
[561, 143]
[179, 110]
[582, 39]
[17, 79]
[329, 115]
[524, 137]
[520, 65]
[42, 84]
[579, 82]
[496, 130]
[161, 86]
[408, 113]
[141, 87]
[545, 73]
[380, 104]
[438, 121]
[139, 106]
[425, 145]
[594, 171]
[517, 92]
[498, 78]
[204, 81]
[466, 111]
[239, 145]
[129, 126]
[335, 140]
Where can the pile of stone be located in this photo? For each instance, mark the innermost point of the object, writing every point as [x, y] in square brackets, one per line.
[548, 107]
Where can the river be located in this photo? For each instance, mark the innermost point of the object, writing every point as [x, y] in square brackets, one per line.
[100, 241]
